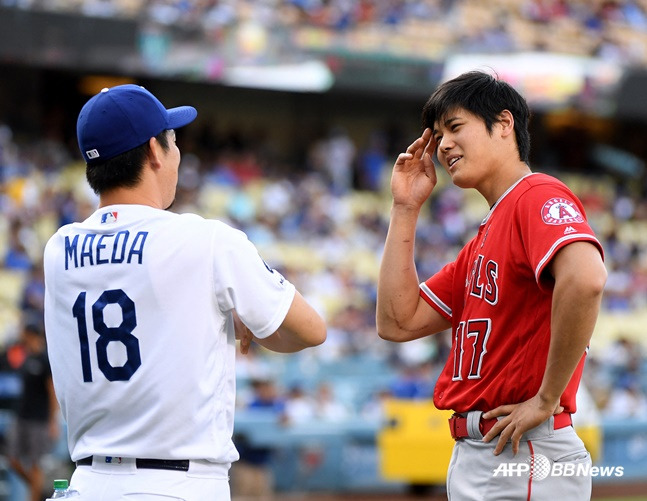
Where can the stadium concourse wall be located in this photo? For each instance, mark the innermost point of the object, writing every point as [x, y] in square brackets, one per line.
[344, 456]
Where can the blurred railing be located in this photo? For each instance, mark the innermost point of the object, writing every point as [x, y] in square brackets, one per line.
[344, 456]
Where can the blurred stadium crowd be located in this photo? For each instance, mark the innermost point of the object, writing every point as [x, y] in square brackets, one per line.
[322, 220]
[611, 29]
[322, 224]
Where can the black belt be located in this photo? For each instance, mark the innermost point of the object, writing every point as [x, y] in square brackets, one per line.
[150, 464]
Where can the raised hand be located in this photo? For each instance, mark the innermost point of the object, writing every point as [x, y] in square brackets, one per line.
[414, 175]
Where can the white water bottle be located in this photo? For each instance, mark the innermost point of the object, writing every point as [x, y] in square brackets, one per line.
[62, 490]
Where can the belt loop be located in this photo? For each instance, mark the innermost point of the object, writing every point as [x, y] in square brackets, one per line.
[474, 424]
[551, 426]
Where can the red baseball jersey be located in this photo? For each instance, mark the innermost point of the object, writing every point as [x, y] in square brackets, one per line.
[498, 294]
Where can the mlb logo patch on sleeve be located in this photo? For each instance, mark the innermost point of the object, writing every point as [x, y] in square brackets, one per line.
[109, 217]
[560, 211]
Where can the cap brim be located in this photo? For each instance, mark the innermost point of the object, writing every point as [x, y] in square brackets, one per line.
[181, 116]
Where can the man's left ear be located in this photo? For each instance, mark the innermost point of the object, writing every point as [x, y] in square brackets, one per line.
[506, 120]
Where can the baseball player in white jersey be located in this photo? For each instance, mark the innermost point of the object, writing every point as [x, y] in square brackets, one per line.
[142, 309]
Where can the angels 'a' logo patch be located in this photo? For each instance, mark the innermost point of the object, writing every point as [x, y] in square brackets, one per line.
[560, 211]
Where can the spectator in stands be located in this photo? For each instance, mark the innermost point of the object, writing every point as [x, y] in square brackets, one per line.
[622, 359]
[412, 382]
[11, 359]
[626, 399]
[371, 162]
[33, 293]
[36, 427]
[327, 406]
[16, 256]
[373, 410]
[334, 157]
[252, 475]
[299, 406]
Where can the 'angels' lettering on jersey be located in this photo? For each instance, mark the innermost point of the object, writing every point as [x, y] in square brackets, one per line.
[90, 249]
[484, 280]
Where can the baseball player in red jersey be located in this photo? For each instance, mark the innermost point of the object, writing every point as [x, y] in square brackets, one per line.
[521, 298]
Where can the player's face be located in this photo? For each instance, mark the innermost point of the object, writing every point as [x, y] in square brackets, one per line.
[465, 148]
[171, 164]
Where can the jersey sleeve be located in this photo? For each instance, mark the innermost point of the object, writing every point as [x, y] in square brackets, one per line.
[260, 295]
[437, 290]
[550, 217]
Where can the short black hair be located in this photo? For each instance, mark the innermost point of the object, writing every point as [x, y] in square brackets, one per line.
[485, 96]
[122, 171]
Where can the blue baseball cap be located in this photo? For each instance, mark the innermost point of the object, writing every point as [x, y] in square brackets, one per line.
[121, 118]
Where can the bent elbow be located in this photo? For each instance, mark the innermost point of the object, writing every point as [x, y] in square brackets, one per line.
[595, 282]
[602, 279]
[388, 328]
[382, 331]
[389, 333]
[316, 332]
[585, 281]
[386, 335]
[320, 335]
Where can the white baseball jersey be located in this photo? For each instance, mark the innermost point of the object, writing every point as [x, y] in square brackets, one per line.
[140, 335]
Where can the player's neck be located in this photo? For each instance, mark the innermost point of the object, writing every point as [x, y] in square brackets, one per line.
[499, 183]
[129, 196]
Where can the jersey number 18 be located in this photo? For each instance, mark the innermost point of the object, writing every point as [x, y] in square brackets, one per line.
[122, 334]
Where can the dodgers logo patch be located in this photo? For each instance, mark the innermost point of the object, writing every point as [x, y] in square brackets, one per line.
[109, 217]
[560, 211]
